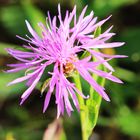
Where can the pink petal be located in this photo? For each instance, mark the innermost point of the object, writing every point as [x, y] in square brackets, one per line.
[33, 33]
[106, 75]
[47, 100]
[85, 74]
[30, 89]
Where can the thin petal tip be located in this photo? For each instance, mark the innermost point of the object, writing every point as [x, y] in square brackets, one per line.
[21, 102]
[108, 99]
[9, 84]
[26, 21]
[87, 97]
[44, 110]
[123, 43]
[109, 16]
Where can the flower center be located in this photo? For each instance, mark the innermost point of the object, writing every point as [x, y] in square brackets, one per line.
[68, 68]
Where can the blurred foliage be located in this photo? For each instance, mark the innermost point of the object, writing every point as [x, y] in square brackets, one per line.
[4, 80]
[105, 7]
[15, 23]
[121, 114]
[3, 47]
[131, 121]
[131, 37]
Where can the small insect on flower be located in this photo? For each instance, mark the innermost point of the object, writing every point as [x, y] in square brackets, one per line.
[61, 46]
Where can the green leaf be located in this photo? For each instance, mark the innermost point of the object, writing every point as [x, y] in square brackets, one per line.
[92, 108]
[89, 111]
[44, 86]
[97, 32]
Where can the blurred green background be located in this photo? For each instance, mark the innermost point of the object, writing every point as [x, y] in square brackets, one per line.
[118, 120]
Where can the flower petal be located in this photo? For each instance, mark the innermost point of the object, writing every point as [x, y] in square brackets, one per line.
[47, 100]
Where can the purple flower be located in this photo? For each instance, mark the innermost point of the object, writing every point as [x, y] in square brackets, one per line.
[59, 46]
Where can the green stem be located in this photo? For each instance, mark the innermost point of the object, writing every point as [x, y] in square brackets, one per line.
[87, 124]
[82, 104]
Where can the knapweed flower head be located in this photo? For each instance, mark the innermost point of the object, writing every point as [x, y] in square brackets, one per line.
[61, 43]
